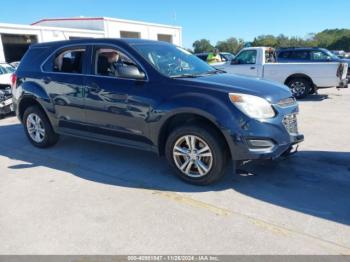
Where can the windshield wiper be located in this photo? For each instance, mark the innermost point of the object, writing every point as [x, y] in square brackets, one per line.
[211, 72]
[185, 76]
[216, 71]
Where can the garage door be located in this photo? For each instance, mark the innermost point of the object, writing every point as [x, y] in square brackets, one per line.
[15, 46]
[127, 34]
[165, 38]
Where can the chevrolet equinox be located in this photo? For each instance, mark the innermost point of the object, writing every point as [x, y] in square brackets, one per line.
[153, 96]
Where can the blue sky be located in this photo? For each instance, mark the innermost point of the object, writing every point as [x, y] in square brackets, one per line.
[214, 20]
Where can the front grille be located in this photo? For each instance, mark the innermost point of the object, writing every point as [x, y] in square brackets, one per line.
[291, 124]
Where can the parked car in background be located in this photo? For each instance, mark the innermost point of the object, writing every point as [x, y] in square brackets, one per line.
[301, 77]
[228, 56]
[225, 57]
[153, 96]
[6, 68]
[309, 55]
[339, 53]
[6, 106]
[15, 64]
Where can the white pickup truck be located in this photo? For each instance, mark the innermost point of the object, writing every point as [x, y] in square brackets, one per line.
[302, 78]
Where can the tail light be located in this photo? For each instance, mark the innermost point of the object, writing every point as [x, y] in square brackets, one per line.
[339, 71]
[343, 71]
[14, 81]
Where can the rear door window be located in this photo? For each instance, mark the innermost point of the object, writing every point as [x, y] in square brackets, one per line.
[284, 54]
[301, 55]
[67, 61]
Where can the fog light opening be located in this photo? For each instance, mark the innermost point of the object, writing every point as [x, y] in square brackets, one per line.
[260, 144]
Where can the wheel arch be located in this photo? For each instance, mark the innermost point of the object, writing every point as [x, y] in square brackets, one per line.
[25, 102]
[32, 93]
[299, 75]
[187, 118]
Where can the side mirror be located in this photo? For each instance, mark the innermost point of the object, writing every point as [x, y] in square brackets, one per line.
[130, 71]
[235, 62]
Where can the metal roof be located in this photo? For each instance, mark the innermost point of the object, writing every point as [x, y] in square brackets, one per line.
[103, 19]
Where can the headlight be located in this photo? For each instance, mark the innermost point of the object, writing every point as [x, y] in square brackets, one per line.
[252, 106]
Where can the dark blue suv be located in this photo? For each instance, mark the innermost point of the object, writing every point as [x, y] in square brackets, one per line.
[153, 96]
[306, 55]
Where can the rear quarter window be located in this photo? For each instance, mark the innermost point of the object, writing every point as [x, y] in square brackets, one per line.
[33, 59]
[284, 54]
[301, 55]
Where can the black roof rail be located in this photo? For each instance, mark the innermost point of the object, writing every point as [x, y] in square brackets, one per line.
[298, 47]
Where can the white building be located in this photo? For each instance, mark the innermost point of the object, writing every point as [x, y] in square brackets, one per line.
[15, 39]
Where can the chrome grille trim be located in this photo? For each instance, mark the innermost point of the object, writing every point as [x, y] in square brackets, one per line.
[291, 124]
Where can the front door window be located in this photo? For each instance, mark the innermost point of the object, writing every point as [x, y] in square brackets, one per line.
[247, 57]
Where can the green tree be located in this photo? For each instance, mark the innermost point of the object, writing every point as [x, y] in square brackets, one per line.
[342, 43]
[333, 39]
[265, 40]
[202, 45]
[231, 45]
[282, 41]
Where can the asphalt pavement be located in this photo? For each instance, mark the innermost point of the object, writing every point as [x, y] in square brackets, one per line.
[82, 197]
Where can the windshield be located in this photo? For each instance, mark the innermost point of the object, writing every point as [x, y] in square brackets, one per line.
[7, 69]
[330, 54]
[173, 61]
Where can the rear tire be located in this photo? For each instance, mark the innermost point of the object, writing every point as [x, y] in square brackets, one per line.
[197, 153]
[300, 87]
[38, 128]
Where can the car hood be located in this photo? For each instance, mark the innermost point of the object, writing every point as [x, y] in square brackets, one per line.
[5, 79]
[272, 91]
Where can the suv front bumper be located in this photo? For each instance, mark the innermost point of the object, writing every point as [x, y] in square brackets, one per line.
[265, 139]
[277, 150]
[243, 150]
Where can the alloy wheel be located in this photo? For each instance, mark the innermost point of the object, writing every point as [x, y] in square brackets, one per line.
[192, 156]
[298, 88]
[35, 128]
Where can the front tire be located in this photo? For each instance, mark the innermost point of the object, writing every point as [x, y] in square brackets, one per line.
[300, 87]
[38, 128]
[197, 153]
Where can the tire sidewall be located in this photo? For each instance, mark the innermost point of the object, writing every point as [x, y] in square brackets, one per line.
[46, 124]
